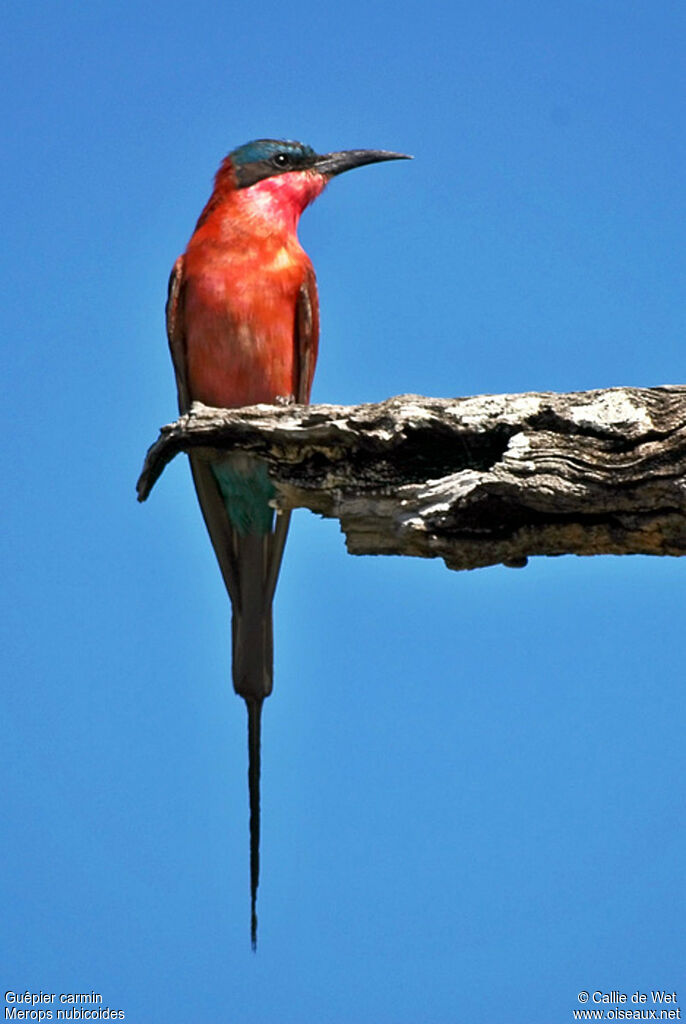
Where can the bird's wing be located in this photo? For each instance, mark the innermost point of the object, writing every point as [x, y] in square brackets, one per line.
[219, 528]
[175, 333]
[306, 341]
[306, 336]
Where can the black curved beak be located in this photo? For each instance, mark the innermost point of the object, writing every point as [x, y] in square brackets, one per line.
[335, 163]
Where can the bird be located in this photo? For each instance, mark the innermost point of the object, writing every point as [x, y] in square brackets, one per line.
[242, 318]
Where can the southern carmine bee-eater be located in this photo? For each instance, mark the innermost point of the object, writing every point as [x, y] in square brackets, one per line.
[243, 328]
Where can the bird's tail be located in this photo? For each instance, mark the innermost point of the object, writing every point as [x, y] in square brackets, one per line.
[252, 630]
[253, 671]
[248, 539]
[257, 561]
[254, 743]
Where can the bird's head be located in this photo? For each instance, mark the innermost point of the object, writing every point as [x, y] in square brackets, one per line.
[282, 177]
[269, 158]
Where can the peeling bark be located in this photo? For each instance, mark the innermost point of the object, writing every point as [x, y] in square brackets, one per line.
[475, 481]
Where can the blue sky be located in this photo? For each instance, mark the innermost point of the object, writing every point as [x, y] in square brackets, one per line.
[473, 784]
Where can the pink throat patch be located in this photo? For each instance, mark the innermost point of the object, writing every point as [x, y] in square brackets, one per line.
[282, 198]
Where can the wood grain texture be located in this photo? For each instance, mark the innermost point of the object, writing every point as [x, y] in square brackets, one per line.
[474, 481]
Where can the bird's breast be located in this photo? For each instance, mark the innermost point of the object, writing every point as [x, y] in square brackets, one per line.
[240, 309]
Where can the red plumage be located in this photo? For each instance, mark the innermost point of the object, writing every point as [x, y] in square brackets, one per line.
[243, 273]
[243, 328]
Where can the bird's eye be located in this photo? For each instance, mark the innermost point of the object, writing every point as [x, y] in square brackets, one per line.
[281, 160]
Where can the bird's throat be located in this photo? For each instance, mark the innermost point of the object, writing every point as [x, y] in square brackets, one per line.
[279, 201]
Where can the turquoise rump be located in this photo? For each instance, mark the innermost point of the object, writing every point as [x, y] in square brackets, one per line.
[247, 490]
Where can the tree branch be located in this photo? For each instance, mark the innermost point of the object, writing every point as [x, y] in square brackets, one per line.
[475, 481]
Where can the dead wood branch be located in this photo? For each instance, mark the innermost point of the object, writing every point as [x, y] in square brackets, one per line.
[475, 481]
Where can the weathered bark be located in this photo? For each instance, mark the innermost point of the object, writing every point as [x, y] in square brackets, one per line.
[475, 481]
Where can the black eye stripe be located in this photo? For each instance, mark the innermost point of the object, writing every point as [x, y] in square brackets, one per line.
[277, 162]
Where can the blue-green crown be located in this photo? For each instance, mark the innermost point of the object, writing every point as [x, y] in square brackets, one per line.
[265, 149]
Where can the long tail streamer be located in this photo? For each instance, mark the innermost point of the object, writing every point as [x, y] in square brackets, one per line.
[254, 706]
